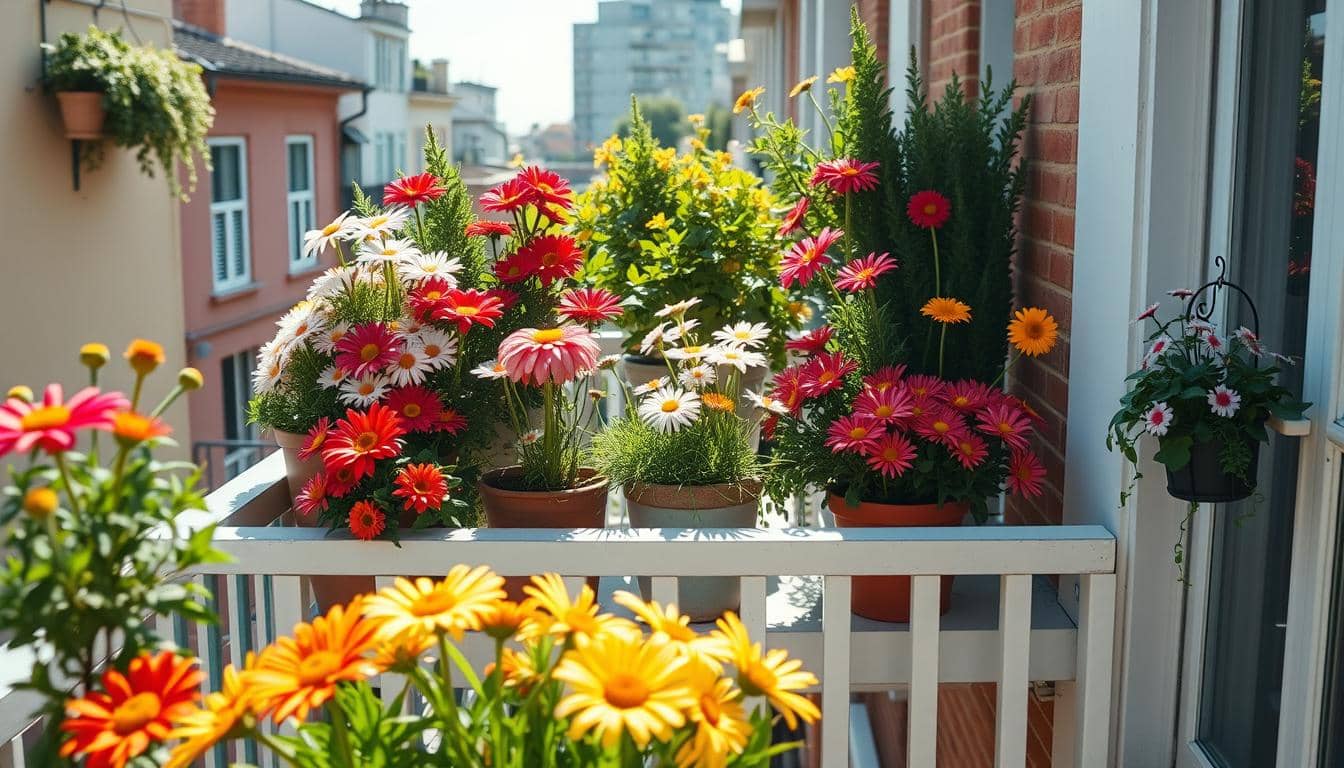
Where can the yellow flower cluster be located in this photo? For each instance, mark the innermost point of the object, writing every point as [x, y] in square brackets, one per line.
[655, 680]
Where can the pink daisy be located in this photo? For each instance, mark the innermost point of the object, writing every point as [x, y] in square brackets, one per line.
[1025, 473]
[845, 175]
[861, 274]
[925, 387]
[886, 406]
[967, 395]
[892, 455]
[968, 449]
[418, 408]
[317, 437]
[540, 355]
[51, 424]
[941, 425]
[811, 343]
[1224, 402]
[1150, 312]
[313, 498]
[794, 218]
[884, 378]
[1006, 422]
[589, 305]
[855, 433]
[1158, 419]
[367, 348]
[807, 257]
[825, 373]
[788, 388]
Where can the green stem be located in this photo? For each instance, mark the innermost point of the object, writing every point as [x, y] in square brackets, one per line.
[942, 337]
[937, 270]
[340, 732]
[830, 132]
[68, 483]
[277, 747]
[849, 231]
[135, 393]
[168, 400]
[1004, 372]
[419, 227]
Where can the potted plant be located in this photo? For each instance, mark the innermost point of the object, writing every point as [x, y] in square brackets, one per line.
[889, 409]
[663, 226]
[139, 97]
[1205, 396]
[683, 451]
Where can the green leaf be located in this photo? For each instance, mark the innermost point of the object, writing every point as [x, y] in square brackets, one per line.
[1174, 452]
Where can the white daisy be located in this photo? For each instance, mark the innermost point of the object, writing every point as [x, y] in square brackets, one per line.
[270, 368]
[1285, 359]
[668, 410]
[698, 376]
[334, 281]
[319, 240]
[300, 322]
[1214, 343]
[739, 358]
[410, 367]
[676, 310]
[409, 326]
[365, 391]
[435, 264]
[382, 225]
[1199, 328]
[529, 437]
[654, 338]
[331, 377]
[693, 352]
[765, 402]
[1223, 401]
[607, 362]
[1250, 340]
[325, 342]
[1158, 419]
[750, 335]
[382, 251]
[651, 386]
[492, 369]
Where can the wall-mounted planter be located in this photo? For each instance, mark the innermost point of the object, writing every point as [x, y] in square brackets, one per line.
[83, 114]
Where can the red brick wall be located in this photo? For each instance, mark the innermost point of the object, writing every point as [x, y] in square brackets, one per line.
[208, 14]
[953, 37]
[874, 14]
[1047, 44]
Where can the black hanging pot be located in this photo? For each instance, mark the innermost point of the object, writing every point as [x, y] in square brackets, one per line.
[1203, 480]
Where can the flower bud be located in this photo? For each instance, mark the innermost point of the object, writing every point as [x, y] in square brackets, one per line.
[94, 355]
[40, 503]
[190, 379]
[144, 356]
[21, 392]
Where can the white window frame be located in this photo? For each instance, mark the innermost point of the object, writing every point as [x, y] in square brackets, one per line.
[297, 261]
[239, 278]
[239, 458]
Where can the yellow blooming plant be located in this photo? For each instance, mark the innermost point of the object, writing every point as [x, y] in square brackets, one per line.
[663, 227]
[570, 685]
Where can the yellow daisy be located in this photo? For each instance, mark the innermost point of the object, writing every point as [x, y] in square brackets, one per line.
[658, 222]
[504, 618]
[668, 625]
[620, 684]
[221, 714]
[566, 617]
[424, 606]
[1033, 331]
[721, 728]
[803, 86]
[747, 100]
[946, 310]
[771, 674]
[841, 75]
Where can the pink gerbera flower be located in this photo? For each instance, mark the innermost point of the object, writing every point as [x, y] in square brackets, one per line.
[548, 187]
[811, 343]
[451, 421]
[1006, 422]
[967, 395]
[825, 373]
[1150, 312]
[788, 389]
[51, 424]
[855, 433]
[367, 348]
[517, 266]
[313, 498]
[1158, 419]
[807, 257]
[317, 437]
[469, 307]
[884, 378]
[413, 190]
[1025, 473]
[484, 228]
[968, 449]
[418, 408]
[508, 197]
[861, 274]
[941, 425]
[892, 455]
[925, 387]
[794, 218]
[589, 305]
[928, 209]
[540, 355]
[886, 406]
[845, 175]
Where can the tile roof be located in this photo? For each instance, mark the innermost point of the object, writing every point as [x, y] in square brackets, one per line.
[224, 56]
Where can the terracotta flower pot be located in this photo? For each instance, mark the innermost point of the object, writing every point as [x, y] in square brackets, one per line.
[83, 114]
[703, 598]
[297, 471]
[508, 507]
[887, 598]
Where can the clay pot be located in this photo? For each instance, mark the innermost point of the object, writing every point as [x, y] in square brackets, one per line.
[887, 598]
[297, 471]
[584, 506]
[703, 598]
[83, 114]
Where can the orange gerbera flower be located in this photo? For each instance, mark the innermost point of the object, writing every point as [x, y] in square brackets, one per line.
[131, 428]
[298, 674]
[111, 726]
[946, 310]
[1033, 331]
[747, 100]
[716, 402]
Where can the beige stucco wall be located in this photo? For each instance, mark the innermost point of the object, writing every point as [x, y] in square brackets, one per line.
[100, 264]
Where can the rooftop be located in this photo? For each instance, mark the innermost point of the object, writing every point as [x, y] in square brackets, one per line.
[225, 56]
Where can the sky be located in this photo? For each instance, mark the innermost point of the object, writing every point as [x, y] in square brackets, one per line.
[523, 47]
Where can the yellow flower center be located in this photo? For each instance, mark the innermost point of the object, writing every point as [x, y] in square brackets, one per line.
[941, 427]
[366, 441]
[625, 691]
[432, 350]
[406, 361]
[377, 222]
[864, 274]
[890, 454]
[316, 669]
[429, 266]
[826, 377]
[1005, 427]
[436, 602]
[709, 707]
[389, 252]
[757, 680]
[434, 295]
[135, 713]
[961, 401]
[319, 439]
[653, 383]
[331, 228]
[849, 171]
[858, 433]
[369, 352]
[671, 405]
[883, 411]
[411, 410]
[468, 310]
[548, 336]
[47, 417]
[930, 209]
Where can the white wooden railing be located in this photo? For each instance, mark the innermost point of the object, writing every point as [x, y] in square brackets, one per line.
[1005, 626]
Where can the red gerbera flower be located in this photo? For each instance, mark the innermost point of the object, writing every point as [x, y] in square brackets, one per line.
[811, 343]
[360, 439]
[1006, 422]
[506, 297]
[421, 486]
[807, 257]
[417, 407]
[794, 218]
[483, 228]
[825, 373]
[428, 297]
[413, 190]
[313, 498]
[1025, 473]
[340, 481]
[968, 449]
[556, 256]
[517, 266]
[941, 425]
[507, 197]
[469, 307]
[892, 455]
[548, 187]
[884, 378]
[367, 520]
[316, 437]
[857, 433]
[925, 387]
[886, 406]
[928, 209]
[845, 175]
[769, 426]
[861, 274]
[589, 305]
[111, 726]
[788, 389]
[967, 395]
[367, 348]
[450, 421]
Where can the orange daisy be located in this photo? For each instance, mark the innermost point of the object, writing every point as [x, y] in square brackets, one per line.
[110, 727]
[144, 356]
[131, 428]
[946, 310]
[1033, 331]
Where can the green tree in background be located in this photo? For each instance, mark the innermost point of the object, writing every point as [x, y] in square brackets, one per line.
[666, 118]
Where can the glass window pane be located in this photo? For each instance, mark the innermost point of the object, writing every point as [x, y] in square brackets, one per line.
[218, 246]
[228, 376]
[298, 166]
[225, 180]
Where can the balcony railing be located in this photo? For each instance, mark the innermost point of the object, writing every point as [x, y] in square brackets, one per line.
[1005, 626]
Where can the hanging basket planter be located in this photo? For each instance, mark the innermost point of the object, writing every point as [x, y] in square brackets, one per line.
[1203, 480]
[83, 114]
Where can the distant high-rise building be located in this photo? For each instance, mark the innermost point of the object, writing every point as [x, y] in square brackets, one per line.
[675, 48]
